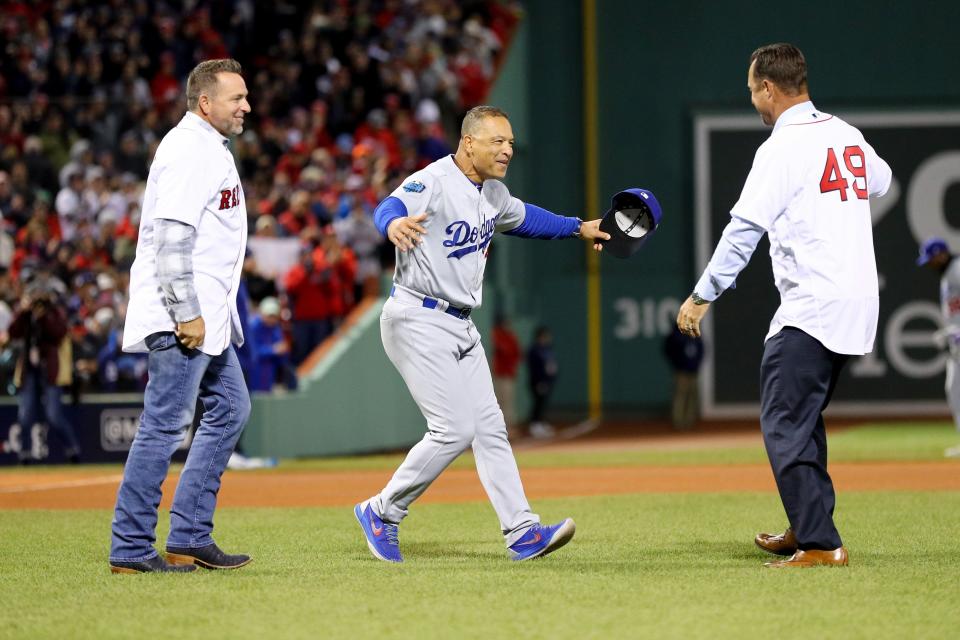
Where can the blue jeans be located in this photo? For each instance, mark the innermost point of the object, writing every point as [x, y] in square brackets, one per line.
[177, 377]
[35, 392]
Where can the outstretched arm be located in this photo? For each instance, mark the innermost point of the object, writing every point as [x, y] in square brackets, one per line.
[737, 244]
[540, 223]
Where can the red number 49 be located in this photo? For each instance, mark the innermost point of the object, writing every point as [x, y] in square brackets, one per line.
[833, 180]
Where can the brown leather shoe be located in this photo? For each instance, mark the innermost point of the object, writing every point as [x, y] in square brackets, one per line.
[783, 544]
[812, 558]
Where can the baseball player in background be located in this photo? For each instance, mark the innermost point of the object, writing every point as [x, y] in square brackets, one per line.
[808, 190]
[935, 253]
[442, 219]
[183, 313]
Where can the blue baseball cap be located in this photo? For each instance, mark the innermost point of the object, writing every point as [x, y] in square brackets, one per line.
[633, 217]
[931, 248]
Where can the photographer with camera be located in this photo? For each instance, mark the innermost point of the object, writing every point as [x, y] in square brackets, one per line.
[41, 326]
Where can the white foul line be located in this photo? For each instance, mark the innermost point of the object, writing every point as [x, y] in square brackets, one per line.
[577, 430]
[66, 484]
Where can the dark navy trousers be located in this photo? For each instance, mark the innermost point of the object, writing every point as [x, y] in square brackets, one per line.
[797, 376]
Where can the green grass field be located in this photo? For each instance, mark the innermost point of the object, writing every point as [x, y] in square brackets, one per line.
[641, 566]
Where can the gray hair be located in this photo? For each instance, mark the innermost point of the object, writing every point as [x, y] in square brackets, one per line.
[471, 121]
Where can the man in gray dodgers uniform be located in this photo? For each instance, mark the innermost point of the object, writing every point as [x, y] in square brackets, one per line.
[441, 220]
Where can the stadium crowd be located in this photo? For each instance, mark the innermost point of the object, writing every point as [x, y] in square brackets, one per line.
[347, 98]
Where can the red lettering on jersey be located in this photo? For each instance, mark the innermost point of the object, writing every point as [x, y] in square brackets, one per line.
[230, 198]
[832, 180]
[859, 171]
[953, 305]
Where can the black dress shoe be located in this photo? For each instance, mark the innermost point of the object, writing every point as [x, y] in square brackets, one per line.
[156, 564]
[208, 557]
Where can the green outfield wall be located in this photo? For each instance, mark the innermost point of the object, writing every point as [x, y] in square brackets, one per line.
[353, 401]
[661, 67]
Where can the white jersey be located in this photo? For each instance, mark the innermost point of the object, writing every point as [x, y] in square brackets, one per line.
[809, 188]
[461, 219]
[193, 179]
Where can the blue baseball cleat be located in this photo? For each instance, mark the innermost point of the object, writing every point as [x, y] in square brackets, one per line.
[539, 540]
[382, 537]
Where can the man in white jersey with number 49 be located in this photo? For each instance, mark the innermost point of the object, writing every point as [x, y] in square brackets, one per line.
[441, 220]
[935, 254]
[808, 190]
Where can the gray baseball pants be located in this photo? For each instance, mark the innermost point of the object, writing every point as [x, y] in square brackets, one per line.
[441, 359]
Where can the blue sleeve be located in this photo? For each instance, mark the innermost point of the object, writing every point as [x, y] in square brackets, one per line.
[387, 211]
[732, 254]
[540, 223]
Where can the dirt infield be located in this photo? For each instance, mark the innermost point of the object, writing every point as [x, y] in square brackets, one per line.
[95, 489]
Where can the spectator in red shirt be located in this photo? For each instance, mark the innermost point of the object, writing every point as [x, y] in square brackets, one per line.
[306, 285]
[41, 324]
[33, 242]
[375, 132]
[299, 217]
[292, 162]
[318, 125]
[342, 263]
[165, 87]
[506, 360]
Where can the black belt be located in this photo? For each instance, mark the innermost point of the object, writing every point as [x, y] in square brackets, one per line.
[433, 303]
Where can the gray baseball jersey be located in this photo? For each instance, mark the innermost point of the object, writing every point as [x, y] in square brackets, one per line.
[950, 297]
[439, 354]
[461, 221]
[950, 307]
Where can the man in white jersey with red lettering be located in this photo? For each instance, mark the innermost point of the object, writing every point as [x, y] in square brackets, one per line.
[441, 220]
[809, 190]
[183, 313]
[935, 254]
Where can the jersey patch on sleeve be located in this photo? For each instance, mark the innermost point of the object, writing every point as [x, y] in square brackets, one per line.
[414, 186]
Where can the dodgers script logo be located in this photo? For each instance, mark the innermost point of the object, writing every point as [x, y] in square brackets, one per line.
[462, 234]
[229, 198]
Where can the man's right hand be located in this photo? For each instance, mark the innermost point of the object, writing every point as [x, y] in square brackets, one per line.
[406, 232]
[191, 333]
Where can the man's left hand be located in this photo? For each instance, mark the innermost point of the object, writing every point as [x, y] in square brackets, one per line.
[691, 313]
[590, 230]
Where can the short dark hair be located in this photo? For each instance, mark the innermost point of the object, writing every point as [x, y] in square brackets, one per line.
[203, 78]
[473, 117]
[783, 64]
